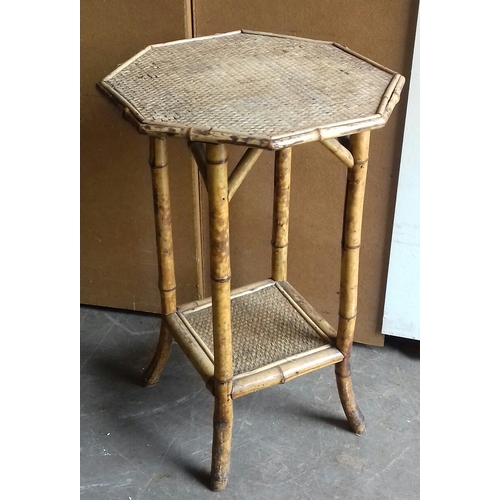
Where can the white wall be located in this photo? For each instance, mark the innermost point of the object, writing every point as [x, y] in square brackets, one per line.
[402, 303]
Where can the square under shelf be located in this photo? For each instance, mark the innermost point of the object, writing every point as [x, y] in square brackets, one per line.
[276, 336]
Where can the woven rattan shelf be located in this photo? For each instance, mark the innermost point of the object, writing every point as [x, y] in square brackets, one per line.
[277, 336]
[263, 91]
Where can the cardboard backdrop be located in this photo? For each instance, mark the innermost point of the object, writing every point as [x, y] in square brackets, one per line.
[118, 252]
[118, 255]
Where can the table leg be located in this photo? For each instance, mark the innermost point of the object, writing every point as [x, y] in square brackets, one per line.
[164, 245]
[281, 213]
[351, 242]
[220, 273]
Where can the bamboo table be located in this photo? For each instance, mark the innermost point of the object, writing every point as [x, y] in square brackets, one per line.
[262, 91]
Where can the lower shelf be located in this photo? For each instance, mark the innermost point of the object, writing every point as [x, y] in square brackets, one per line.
[277, 336]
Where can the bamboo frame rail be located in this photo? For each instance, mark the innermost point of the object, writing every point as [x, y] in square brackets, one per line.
[241, 170]
[203, 363]
[164, 244]
[351, 243]
[237, 292]
[220, 274]
[307, 310]
[286, 370]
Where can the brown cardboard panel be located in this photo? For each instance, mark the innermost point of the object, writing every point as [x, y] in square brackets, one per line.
[118, 249]
[383, 31]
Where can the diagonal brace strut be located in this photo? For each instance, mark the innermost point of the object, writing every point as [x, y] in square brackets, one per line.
[340, 151]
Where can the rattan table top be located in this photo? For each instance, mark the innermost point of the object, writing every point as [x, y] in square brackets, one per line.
[257, 89]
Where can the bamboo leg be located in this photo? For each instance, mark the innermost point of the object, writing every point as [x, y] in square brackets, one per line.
[164, 245]
[353, 213]
[281, 213]
[220, 273]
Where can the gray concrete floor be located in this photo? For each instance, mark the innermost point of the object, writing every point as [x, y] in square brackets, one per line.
[289, 442]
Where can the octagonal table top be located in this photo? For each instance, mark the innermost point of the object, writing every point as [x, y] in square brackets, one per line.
[256, 89]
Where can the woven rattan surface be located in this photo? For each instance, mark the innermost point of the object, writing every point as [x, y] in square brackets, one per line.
[247, 84]
[265, 327]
